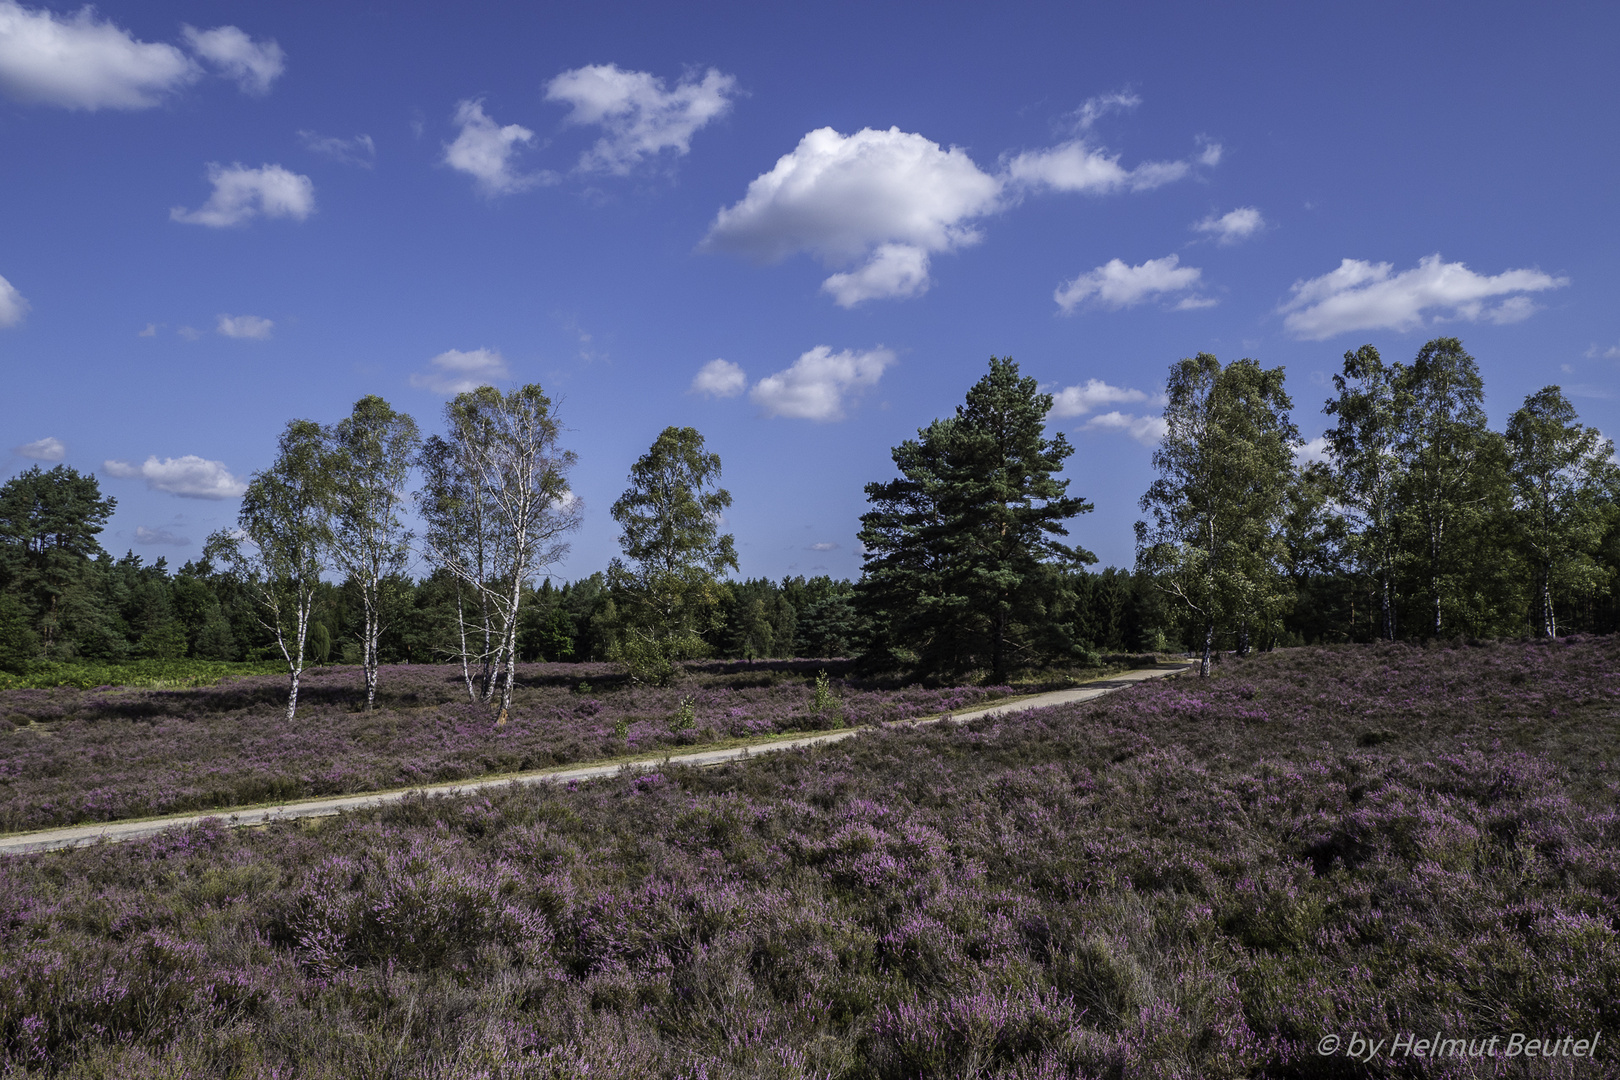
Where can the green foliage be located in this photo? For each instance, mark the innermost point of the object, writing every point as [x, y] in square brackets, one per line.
[162, 674]
[320, 643]
[1214, 543]
[667, 587]
[1564, 483]
[685, 716]
[961, 550]
[48, 527]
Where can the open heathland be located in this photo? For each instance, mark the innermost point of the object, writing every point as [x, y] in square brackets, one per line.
[1183, 879]
[69, 755]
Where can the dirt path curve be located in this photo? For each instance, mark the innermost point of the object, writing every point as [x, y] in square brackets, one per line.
[113, 831]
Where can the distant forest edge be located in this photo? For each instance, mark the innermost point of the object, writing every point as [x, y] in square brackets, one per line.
[1418, 522]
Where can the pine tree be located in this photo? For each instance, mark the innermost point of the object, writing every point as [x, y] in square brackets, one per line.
[960, 548]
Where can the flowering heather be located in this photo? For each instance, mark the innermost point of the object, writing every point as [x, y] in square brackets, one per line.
[69, 755]
[1197, 879]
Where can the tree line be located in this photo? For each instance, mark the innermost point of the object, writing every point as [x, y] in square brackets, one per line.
[1418, 522]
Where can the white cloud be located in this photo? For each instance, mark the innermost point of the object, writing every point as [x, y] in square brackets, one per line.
[1117, 285]
[1308, 452]
[824, 545]
[245, 326]
[1611, 353]
[456, 372]
[46, 449]
[1147, 430]
[815, 386]
[81, 62]
[12, 304]
[190, 333]
[894, 270]
[1080, 399]
[484, 151]
[190, 477]
[241, 194]
[1078, 166]
[1094, 109]
[846, 198]
[1369, 296]
[150, 331]
[640, 117]
[253, 64]
[143, 535]
[1232, 226]
[719, 378]
[359, 150]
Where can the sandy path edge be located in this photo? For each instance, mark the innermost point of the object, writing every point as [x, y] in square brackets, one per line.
[115, 831]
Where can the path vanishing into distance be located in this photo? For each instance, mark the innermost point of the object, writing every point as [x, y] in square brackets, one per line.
[115, 831]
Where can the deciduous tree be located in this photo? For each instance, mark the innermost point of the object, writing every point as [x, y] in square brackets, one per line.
[371, 452]
[282, 541]
[499, 505]
[1214, 541]
[667, 586]
[1564, 483]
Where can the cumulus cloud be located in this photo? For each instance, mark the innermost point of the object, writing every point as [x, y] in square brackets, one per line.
[1611, 353]
[12, 304]
[1232, 226]
[824, 545]
[241, 194]
[1147, 430]
[456, 372]
[1370, 296]
[190, 333]
[719, 378]
[190, 477]
[1117, 285]
[150, 331]
[815, 387]
[888, 196]
[894, 270]
[254, 65]
[359, 150]
[1081, 399]
[877, 206]
[46, 449]
[484, 150]
[143, 535]
[245, 326]
[640, 118]
[82, 62]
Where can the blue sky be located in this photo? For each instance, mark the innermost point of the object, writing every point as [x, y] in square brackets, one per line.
[801, 230]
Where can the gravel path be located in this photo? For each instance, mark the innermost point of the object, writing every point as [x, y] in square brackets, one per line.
[114, 831]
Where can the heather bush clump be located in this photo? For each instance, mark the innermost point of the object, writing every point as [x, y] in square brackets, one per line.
[1185, 879]
[70, 755]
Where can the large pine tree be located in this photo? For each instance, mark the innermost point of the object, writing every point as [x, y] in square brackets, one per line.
[961, 549]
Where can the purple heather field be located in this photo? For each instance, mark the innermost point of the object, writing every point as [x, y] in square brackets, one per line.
[70, 755]
[1184, 879]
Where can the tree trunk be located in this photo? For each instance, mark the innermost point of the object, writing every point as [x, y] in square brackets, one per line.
[292, 695]
[1209, 641]
[368, 658]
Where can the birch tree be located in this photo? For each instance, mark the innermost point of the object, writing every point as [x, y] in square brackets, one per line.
[371, 452]
[670, 585]
[1450, 461]
[282, 540]
[1564, 482]
[1367, 470]
[455, 519]
[1225, 464]
[506, 477]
